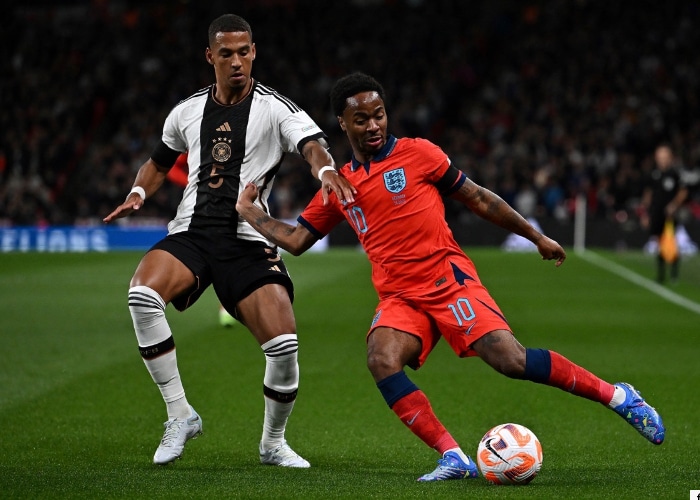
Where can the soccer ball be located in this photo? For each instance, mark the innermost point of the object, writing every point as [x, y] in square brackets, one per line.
[509, 454]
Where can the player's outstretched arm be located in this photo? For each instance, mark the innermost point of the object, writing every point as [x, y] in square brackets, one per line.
[149, 178]
[491, 207]
[295, 240]
[318, 157]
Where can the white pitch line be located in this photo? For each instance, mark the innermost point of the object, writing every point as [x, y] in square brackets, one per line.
[635, 278]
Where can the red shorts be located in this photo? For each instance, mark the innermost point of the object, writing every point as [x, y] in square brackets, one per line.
[461, 314]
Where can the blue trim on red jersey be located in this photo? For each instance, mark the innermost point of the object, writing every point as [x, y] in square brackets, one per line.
[311, 228]
[460, 276]
[493, 310]
[381, 155]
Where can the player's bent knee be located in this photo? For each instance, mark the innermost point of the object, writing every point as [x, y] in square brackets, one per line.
[389, 350]
[382, 365]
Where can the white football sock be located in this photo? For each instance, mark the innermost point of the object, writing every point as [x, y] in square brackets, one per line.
[157, 348]
[461, 454]
[618, 397]
[280, 387]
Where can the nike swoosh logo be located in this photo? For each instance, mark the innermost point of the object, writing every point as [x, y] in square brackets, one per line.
[488, 446]
[410, 422]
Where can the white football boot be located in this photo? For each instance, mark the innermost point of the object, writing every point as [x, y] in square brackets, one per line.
[177, 432]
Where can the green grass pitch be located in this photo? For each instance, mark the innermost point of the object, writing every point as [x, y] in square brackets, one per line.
[81, 417]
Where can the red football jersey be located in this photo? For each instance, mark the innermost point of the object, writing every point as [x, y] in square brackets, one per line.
[398, 215]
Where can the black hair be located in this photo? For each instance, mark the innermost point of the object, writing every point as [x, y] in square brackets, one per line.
[350, 85]
[226, 24]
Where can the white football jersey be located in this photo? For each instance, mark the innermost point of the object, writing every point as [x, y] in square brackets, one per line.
[229, 146]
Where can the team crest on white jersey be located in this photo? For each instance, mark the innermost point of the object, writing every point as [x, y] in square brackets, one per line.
[221, 151]
[395, 180]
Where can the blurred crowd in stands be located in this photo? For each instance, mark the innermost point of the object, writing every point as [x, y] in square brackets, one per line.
[539, 101]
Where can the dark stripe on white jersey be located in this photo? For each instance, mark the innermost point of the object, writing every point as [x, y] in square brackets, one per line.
[269, 176]
[262, 90]
[200, 92]
[221, 155]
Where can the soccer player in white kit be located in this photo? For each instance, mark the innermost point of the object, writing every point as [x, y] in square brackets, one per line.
[236, 131]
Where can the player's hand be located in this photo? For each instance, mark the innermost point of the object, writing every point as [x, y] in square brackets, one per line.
[247, 197]
[551, 250]
[332, 181]
[132, 203]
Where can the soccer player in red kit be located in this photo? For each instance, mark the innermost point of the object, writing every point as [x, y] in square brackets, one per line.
[428, 288]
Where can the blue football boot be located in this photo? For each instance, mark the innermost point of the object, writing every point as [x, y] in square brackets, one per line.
[640, 415]
[451, 466]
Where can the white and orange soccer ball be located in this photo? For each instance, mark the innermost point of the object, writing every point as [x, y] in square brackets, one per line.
[509, 454]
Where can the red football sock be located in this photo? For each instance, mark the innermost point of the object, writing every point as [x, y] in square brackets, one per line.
[577, 380]
[415, 412]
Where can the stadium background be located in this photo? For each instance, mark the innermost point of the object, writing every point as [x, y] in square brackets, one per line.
[518, 92]
[539, 101]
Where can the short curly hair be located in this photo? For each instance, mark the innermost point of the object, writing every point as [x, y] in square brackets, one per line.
[228, 23]
[350, 85]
